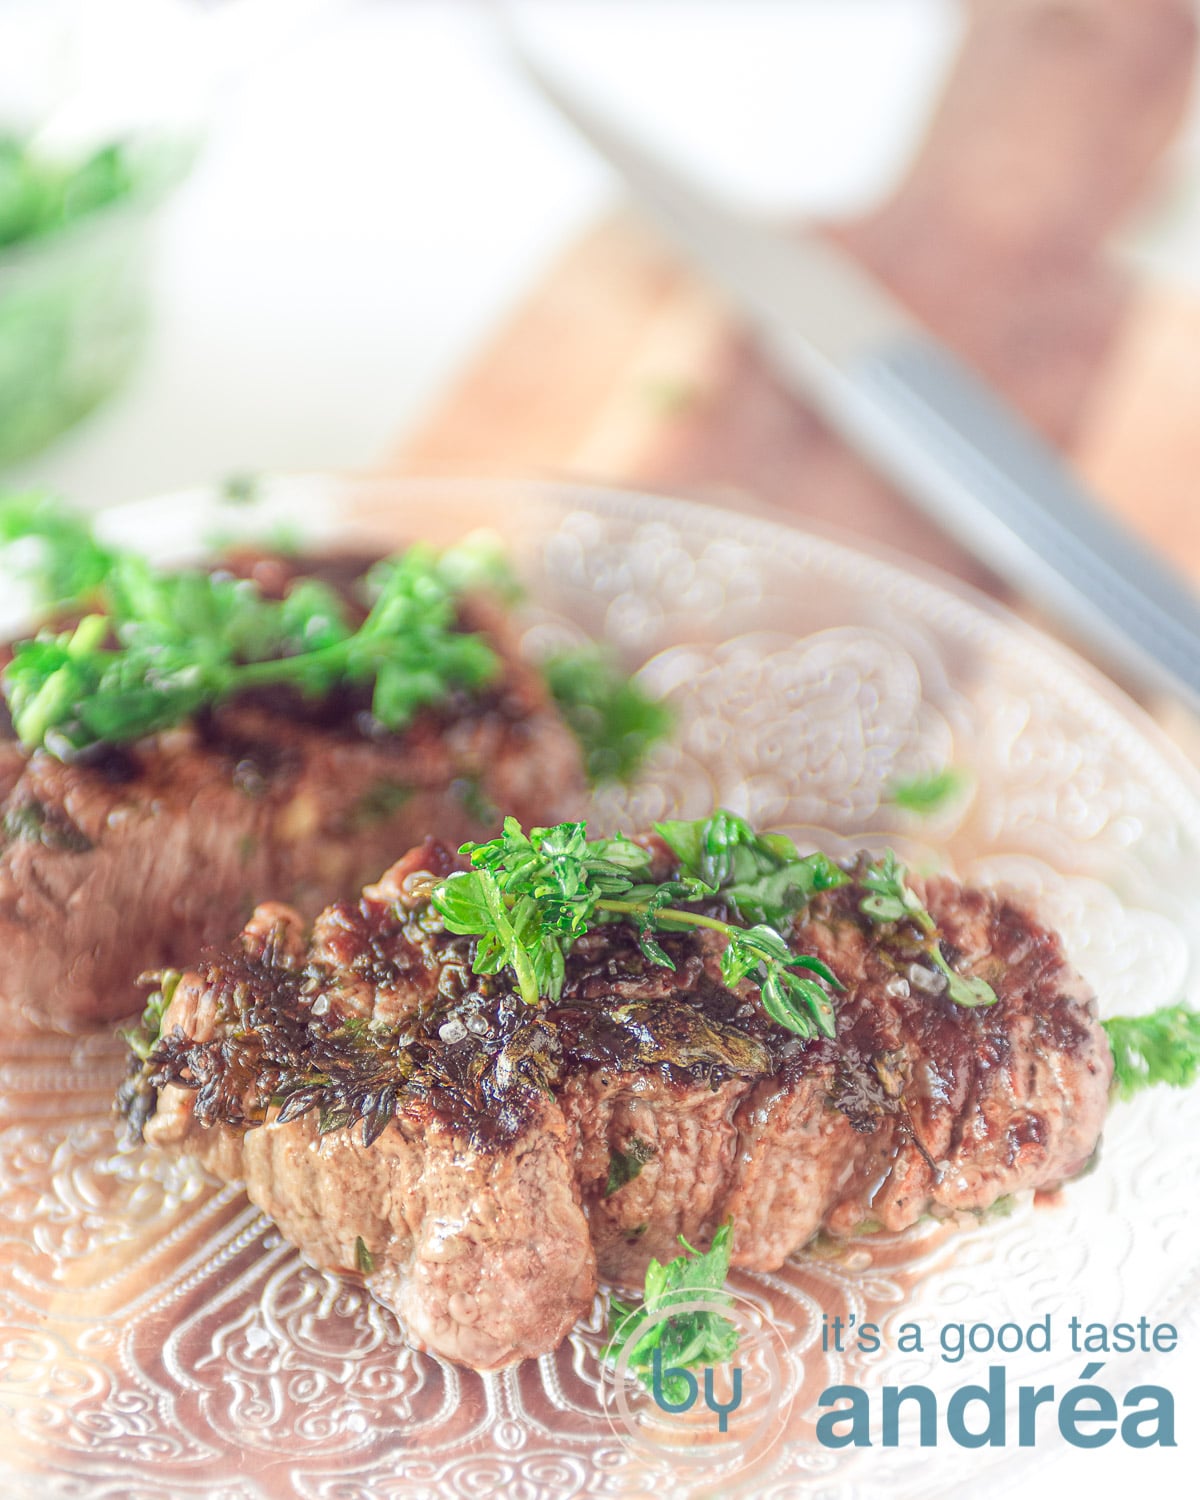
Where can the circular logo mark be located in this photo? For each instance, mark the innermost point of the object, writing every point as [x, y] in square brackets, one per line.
[718, 1414]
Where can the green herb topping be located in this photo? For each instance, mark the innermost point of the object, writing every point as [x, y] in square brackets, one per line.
[39, 194]
[143, 1038]
[530, 896]
[926, 795]
[891, 900]
[152, 649]
[624, 1166]
[33, 822]
[615, 721]
[57, 551]
[155, 648]
[699, 1337]
[1163, 1047]
[378, 803]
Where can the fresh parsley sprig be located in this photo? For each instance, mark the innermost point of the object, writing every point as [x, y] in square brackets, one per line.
[531, 895]
[178, 642]
[53, 548]
[160, 646]
[891, 900]
[760, 875]
[1162, 1047]
[693, 1338]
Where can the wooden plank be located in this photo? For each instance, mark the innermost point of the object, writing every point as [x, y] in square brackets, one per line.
[622, 368]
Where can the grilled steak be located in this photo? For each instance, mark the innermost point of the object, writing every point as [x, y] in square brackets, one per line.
[483, 1161]
[142, 854]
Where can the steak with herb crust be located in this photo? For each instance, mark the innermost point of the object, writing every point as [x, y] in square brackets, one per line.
[483, 1161]
[139, 854]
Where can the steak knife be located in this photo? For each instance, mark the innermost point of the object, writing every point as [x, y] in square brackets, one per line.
[920, 416]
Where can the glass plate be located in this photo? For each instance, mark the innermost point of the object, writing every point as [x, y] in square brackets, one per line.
[160, 1338]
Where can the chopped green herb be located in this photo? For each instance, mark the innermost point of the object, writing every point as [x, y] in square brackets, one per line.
[158, 647]
[53, 548]
[363, 1258]
[142, 1038]
[693, 1338]
[761, 875]
[891, 900]
[531, 895]
[615, 721]
[479, 564]
[73, 307]
[475, 801]
[377, 803]
[40, 194]
[928, 794]
[33, 823]
[625, 1165]
[1163, 1047]
[242, 488]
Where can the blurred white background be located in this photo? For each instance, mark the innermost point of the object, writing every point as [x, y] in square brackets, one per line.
[377, 186]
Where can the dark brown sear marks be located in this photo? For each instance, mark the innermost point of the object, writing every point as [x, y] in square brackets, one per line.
[498, 1157]
[473, 1051]
[268, 794]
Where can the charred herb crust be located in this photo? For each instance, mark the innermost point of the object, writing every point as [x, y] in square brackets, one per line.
[474, 1054]
[273, 1050]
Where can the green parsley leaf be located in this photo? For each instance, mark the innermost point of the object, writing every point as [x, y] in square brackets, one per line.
[40, 194]
[761, 876]
[1163, 1047]
[624, 1166]
[163, 645]
[656, 899]
[926, 795]
[789, 999]
[891, 900]
[530, 895]
[142, 1038]
[615, 721]
[691, 1339]
[52, 547]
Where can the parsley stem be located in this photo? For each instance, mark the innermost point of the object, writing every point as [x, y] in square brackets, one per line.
[668, 913]
[278, 668]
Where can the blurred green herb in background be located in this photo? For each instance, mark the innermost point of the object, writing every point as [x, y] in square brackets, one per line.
[40, 194]
[615, 720]
[926, 795]
[73, 278]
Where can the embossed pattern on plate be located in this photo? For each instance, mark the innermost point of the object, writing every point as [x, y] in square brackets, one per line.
[158, 1337]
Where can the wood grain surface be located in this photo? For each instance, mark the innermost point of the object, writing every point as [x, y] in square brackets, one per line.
[622, 367]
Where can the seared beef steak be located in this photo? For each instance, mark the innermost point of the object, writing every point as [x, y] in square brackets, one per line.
[483, 1161]
[141, 854]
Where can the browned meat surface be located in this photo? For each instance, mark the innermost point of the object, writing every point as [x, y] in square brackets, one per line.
[143, 855]
[517, 1153]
